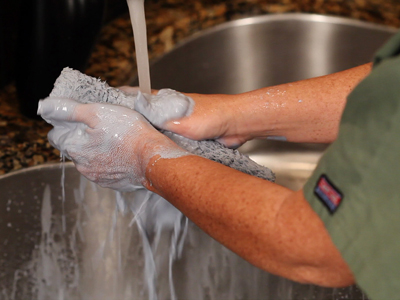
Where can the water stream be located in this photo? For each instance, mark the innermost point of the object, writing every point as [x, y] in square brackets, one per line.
[137, 14]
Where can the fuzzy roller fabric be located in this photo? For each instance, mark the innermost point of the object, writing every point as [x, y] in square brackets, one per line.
[85, 89]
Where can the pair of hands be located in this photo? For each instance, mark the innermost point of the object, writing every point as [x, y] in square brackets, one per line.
[112, 145]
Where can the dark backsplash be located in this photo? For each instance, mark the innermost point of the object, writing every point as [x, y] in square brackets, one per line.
[8, 37]
[9, 22]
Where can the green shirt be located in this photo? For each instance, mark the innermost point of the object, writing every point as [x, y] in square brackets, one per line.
[355, 188]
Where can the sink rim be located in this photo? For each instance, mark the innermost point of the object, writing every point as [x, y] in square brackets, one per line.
[47, 166]
[317, 18]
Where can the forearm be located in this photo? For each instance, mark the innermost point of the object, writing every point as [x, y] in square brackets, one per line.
[270, 226]
[303, 111]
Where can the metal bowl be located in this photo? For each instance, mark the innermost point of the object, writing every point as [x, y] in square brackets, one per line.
[61, 237]
[256, 52]
[88, 247]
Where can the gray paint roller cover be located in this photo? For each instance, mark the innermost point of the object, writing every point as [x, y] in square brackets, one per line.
[85, 89]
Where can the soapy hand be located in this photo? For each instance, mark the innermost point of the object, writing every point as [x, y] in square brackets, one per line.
[109, 144]
[204, 116]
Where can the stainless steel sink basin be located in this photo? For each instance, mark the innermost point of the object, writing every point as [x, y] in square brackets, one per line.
[252, 53]
[85, 248]
[79, 249]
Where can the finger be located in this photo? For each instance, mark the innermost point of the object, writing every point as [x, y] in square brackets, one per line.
[56, 109]
[88, 114]
[93, 114]
[64, 138]
[142, 105]
[56, 137]
[168, 105]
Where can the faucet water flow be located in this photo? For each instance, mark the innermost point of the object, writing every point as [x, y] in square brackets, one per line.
[136, 12]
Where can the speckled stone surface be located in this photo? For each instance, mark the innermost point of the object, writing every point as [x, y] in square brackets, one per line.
[23, 142]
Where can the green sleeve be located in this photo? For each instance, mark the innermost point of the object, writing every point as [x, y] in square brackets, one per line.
[355, 188]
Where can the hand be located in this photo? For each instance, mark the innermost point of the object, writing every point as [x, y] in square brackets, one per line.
[194, 116]
[161, 106]
[214, 117]
[109, 144]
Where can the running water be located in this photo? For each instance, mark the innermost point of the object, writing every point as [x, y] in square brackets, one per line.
[137, 14]
[63, 192]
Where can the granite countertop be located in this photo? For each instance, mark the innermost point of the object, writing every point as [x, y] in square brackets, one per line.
[23, 141]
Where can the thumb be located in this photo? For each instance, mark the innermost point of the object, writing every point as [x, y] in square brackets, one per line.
[56, 109]
[167, 105]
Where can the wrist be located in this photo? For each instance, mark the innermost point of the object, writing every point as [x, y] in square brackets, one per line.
[155, 149]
